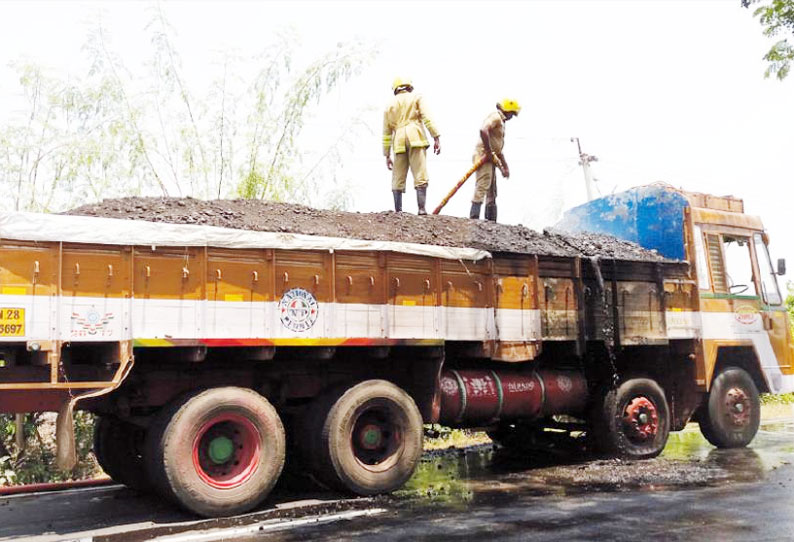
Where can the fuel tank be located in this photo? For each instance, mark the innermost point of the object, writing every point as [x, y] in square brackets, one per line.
[474, 397]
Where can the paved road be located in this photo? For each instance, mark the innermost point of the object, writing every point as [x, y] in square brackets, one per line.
[692, 492]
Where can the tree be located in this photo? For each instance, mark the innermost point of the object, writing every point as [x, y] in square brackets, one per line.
[777, 18]
[117, 131]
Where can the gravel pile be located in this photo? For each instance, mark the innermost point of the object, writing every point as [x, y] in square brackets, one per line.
[385, 226]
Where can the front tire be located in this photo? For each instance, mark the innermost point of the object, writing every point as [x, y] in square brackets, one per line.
[732, 415]
[217, 452]
[364, 440]
[633, 420]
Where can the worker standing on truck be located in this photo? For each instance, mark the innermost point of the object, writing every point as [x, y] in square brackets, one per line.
[403, 130]
[492, 140]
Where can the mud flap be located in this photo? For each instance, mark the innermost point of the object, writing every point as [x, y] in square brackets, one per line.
[66, 457]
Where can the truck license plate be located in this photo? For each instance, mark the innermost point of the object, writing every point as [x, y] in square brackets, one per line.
[12, 322]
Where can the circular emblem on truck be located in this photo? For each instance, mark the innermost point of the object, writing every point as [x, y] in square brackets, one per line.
[298, 310]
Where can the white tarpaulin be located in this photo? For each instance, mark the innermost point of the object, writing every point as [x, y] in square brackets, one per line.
[113, 231]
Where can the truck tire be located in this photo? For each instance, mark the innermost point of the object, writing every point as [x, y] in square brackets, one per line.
[118, 450]
[216, 452]
[632, 420]
[364, 440]
[731, 417]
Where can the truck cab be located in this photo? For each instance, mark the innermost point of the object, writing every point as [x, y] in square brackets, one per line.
[738, 320]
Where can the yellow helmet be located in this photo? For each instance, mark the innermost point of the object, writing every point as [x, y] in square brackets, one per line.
[509, 105]
[401, 82]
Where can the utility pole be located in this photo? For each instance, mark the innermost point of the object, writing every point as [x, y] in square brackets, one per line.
[584, 161]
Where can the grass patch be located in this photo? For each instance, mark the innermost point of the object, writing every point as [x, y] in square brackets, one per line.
[777, 399]
[453, 438]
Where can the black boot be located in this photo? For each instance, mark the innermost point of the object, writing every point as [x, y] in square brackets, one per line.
[421, 199]
[490, 212]
[475, 210]
[398, 200]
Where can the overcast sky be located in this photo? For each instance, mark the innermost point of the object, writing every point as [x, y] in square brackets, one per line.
[667, 91]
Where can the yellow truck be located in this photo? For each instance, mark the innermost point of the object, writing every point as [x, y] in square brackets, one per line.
[214, 356]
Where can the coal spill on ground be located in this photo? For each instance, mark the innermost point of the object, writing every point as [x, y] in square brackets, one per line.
[384, 226]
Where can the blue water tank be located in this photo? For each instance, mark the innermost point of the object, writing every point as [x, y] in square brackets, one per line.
[651, 216]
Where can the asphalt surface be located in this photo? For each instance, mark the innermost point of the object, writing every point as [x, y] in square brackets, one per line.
[691, 492]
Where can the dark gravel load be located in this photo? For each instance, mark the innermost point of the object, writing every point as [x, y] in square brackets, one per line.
[385, 226]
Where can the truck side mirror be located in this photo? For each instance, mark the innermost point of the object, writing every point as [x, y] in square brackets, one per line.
[781, 266]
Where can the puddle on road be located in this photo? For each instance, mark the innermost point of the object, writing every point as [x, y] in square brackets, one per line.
[460, 477]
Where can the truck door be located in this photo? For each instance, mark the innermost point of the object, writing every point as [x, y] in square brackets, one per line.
[774, 312]
[731, 311]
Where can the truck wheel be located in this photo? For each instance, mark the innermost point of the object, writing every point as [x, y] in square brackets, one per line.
[633, 420]
[366, 439]
[118, 450]
[216, 452]
[732, 415]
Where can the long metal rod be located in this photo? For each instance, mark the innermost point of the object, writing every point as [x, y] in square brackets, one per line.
[463, 179]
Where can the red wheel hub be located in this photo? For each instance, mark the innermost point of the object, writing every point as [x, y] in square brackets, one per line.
[226, 451]
[739, 407]
[640, 419]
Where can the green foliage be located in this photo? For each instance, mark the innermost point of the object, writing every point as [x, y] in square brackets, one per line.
[777, 399]
[116, 131]
[777, 18]
[34, 462]
[790, 302]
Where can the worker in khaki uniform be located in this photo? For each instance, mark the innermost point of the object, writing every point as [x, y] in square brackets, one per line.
[403, 130]
[492, 140]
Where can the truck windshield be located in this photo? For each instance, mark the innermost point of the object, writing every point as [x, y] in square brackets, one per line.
[768, 278]
[738, 265]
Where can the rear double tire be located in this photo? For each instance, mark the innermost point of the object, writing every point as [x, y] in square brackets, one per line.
[216, 452]
[732, 415]
[118, 448]
[365, 440]
[632, 420]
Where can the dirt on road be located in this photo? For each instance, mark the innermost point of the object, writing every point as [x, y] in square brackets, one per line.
[384, 226]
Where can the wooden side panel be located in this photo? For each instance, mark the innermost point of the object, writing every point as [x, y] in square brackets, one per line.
[412, 280]
[516, 324]
[516, 283]
[238, 275]
[681, 295]
[467, 290]
[559, 311]
[238, 286]
[28, 268]
[167, 283]
[96, 283]
[309, 270]
[96, 271]
[359, 278]
[360, 286]
[641, 313]
[413, 294]
[29, 279]
[168, 273]
[465, 284]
